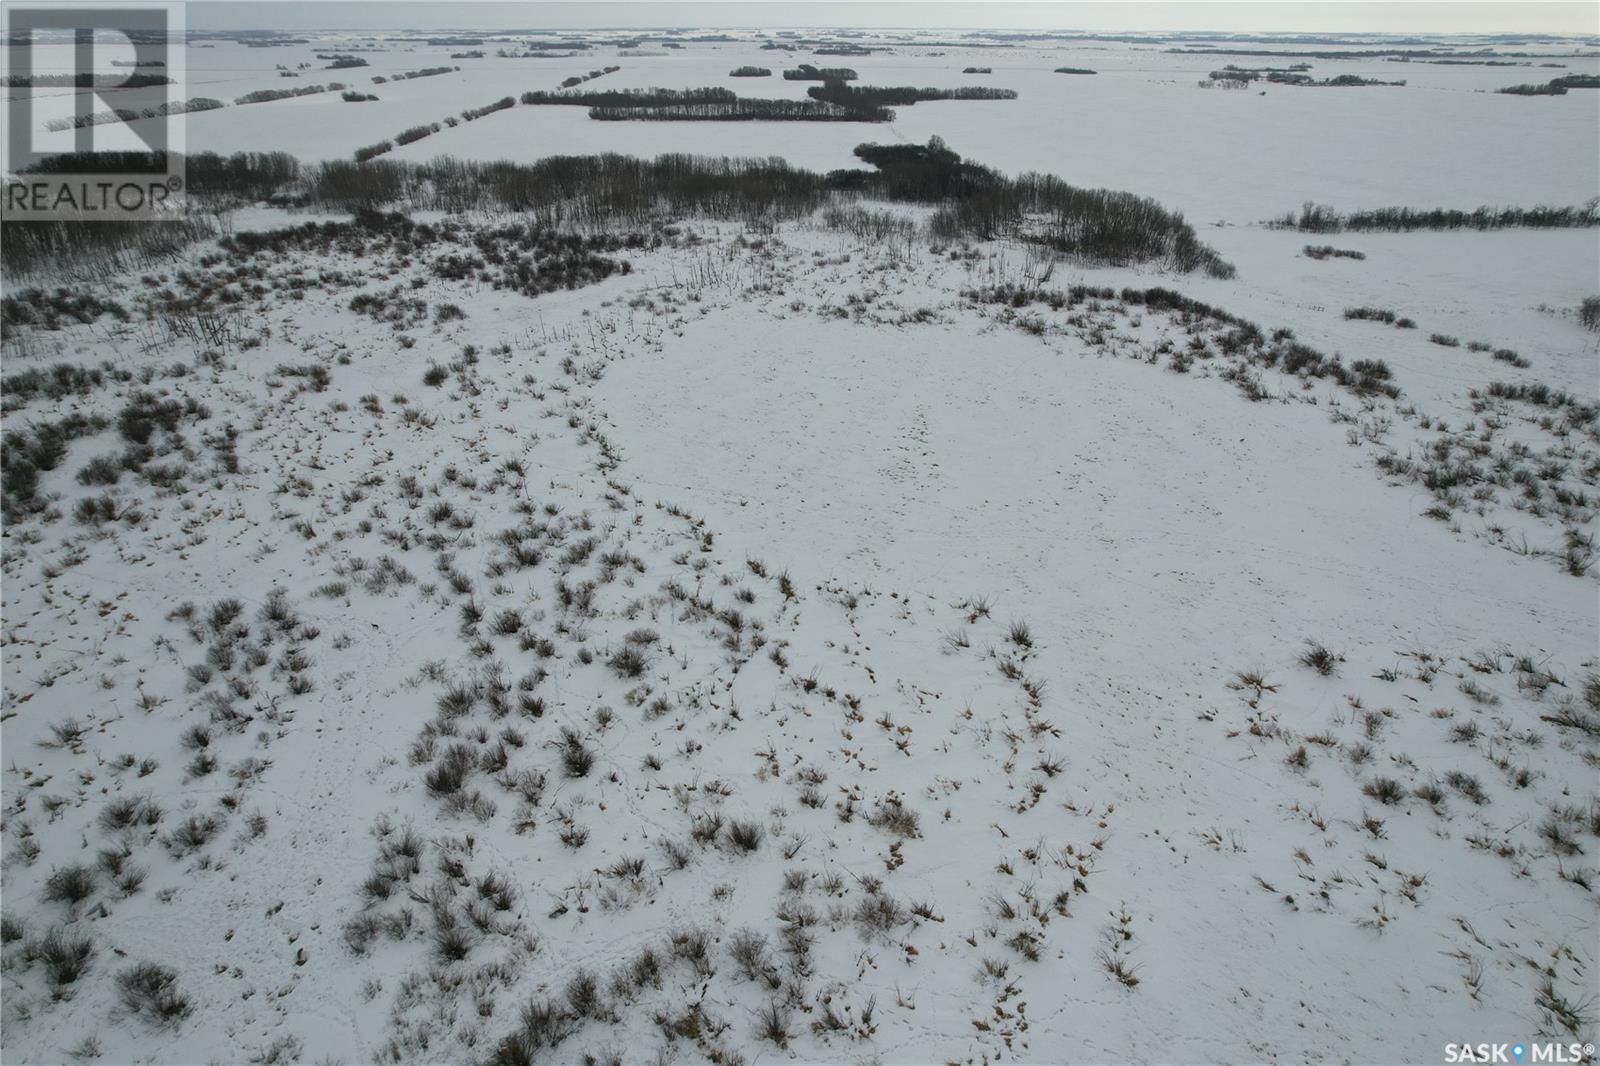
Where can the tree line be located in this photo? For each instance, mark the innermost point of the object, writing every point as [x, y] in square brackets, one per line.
[874, 96]
[604, 192]
[1320, 218]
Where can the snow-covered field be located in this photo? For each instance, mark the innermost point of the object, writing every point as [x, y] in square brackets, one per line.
[791, 650]
[1140, 124]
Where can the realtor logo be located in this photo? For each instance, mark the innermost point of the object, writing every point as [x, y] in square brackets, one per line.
[94, 126]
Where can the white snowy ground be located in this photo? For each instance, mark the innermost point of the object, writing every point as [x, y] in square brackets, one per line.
[812, 487]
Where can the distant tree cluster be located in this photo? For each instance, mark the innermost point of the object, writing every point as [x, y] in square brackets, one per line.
[633, 98]
[372, 151]
[975, 201]
[1293, 75]
[127, 114]
[745, 111]
[807, 72]
[1320, 218]
[267, 96]
[545, 50]
[1554, 87]
[579, 79]
[1342, 81]
[1396, 54]
[472, 114]
[85, 81]
[1075, 70]
[1232, 72]
[1328, 251]
[416, 133]
[872, 96]
[833, 101]
[425, 72]
[750, 72]
[977, 70]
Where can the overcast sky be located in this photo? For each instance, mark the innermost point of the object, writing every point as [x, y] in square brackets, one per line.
[1518, 16]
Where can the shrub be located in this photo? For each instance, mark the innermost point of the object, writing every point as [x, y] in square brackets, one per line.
[1386, 790]
[772, 1023]
[473, 113]
[29, 452]
[372, 151]
[70, 885]
[416, 133]
[65, 958]
[126, 812]
[576, 757]
[543, 1026]
[1327, 251]
[193, 833]
[151, 991]
[1589, 312]
[452, 942]
[896, 818]
[583, 997]
[629, 661]
[446, 777]
[102, 470]
[1550, 88]
[746, 836]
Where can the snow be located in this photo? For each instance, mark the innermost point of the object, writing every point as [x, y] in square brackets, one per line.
[1109, 789]
[1443, 139]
